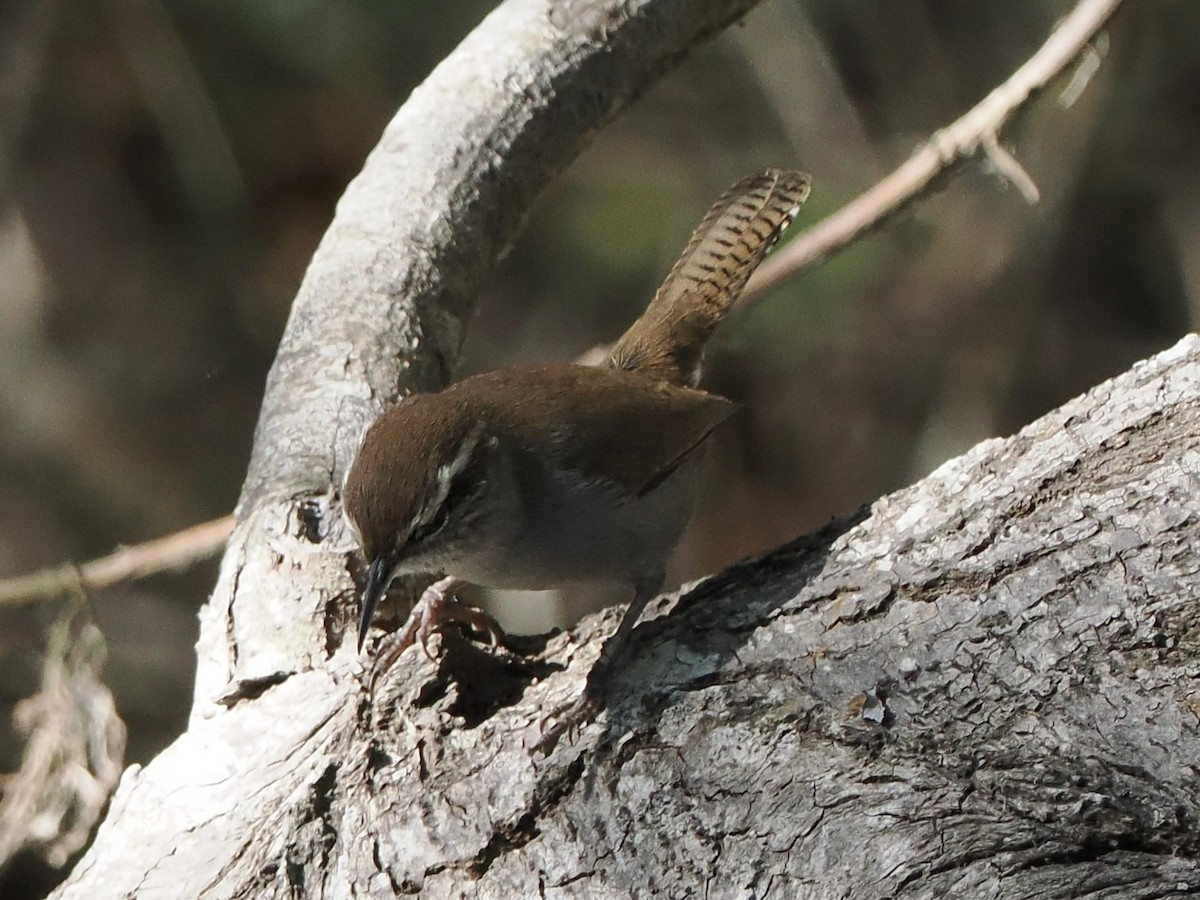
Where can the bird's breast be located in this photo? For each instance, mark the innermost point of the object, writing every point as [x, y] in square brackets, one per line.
[561, 528]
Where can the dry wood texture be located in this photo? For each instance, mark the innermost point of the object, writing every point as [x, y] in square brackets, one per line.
[981, 684]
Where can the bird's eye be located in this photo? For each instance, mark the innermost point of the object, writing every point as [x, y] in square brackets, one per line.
[428, 529]
[455, 505]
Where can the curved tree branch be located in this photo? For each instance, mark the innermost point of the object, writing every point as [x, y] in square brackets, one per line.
[380, 312]
[382, 307]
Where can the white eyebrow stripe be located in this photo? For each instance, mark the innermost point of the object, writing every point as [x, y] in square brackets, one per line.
[445, 478]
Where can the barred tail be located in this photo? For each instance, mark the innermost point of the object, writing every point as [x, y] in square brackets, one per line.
[668, 339]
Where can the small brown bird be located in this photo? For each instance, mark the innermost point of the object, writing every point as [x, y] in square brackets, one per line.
[543, 476]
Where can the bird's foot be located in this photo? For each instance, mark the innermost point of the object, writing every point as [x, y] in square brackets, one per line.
[571, 719]
[437, 608]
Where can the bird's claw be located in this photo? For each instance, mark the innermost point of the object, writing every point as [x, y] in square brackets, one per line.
[438, 608]
[569, 721]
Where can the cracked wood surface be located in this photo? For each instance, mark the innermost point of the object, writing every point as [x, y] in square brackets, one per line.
[985, 683]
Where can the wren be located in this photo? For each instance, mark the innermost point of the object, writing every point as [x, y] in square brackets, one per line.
[543, 476]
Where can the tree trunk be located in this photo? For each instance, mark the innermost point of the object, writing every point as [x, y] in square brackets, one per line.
[982, 683]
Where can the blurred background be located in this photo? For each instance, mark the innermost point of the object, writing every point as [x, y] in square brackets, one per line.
[168, 166]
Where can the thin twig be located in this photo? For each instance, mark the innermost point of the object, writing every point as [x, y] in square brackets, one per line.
[945, 149]
[175, 551]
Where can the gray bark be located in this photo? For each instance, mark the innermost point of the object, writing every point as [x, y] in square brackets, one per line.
[983, 683]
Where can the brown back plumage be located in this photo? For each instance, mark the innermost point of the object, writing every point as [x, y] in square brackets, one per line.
[668, 340]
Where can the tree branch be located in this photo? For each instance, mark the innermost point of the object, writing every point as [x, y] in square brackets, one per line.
[945, 150]
[173, 552]
[380, 312]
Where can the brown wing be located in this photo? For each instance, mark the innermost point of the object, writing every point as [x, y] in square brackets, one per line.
[603, 423]
[668, 339]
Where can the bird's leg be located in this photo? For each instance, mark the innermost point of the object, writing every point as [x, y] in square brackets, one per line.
[437, 608]
[584, 710]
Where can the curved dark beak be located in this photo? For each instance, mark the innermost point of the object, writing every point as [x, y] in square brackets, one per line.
[379, 576]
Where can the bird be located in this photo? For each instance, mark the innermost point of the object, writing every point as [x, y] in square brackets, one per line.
[547, 475]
